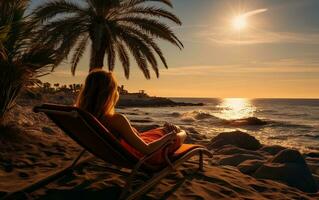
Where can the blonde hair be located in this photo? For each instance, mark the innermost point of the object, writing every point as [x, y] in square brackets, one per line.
[99, 94]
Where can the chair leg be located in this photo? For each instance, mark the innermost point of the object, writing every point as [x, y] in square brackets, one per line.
[128, 185]
[77, 159]
[201, 161]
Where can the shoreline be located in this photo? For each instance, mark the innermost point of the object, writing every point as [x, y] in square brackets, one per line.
[126, 100]
[241, 166]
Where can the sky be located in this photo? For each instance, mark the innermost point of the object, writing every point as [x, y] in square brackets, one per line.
[276, 55]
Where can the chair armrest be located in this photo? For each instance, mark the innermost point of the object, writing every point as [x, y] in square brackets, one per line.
[162, 146]
[149, 155]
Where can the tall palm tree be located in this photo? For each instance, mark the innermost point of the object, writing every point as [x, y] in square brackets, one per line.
[115, 28]
[20, 60]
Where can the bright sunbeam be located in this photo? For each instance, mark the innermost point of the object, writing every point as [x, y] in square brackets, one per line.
[240, 22]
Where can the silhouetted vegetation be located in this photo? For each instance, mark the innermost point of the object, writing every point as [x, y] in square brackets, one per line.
[115, 28]
[20, 59]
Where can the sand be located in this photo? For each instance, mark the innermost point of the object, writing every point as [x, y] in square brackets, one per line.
[34, 147]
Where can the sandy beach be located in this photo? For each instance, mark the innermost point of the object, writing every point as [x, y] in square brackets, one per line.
[241, 168]
[233, 82]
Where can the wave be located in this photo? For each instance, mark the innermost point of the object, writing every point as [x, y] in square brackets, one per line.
[202, 116]
[255, 121]
[289, 125]
[175, 114]
[284, 137]
[309, 136]
[195, 115]
[266, 111]
[250, 121]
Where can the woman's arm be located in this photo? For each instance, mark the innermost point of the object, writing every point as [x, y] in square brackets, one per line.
[121, 124]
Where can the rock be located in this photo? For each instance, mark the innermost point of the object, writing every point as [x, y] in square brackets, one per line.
[250, 166]
[145, 101]
[273, 149]
[289, 156]
[231, 150]
[289, 167]
[234, 160]
[250, 121]
[236, 138]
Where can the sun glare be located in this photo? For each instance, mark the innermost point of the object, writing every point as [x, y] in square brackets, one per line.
[236, 108]
[240, 22]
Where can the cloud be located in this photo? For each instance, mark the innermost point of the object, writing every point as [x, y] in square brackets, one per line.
[252, 37]
[277, 66]
[254, 12]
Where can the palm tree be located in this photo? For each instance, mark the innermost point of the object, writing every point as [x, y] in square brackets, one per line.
[115, 28]
[20, 60]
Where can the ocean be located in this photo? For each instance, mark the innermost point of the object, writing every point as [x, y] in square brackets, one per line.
[292, 123]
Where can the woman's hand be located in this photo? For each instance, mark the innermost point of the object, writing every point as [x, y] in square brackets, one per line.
[168, 127]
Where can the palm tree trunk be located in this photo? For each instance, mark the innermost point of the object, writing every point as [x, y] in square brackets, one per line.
[97, 58]
[98, 50]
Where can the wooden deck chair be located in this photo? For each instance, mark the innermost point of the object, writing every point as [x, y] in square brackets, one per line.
[89, 133]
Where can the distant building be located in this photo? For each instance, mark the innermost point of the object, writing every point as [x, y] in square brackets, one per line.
[122, 90]
[140, 94]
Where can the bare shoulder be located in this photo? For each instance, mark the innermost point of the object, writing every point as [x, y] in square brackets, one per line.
[120, 118]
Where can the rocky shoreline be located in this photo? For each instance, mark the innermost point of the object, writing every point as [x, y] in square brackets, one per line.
[31, 146]
[68, 98]
[152, 102]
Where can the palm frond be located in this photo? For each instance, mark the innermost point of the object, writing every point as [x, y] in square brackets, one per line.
[130, 3]
[151, 11]
[116, 28]
[154, 28]
[101, 7]
[147, 39]
[139, 58]
[79, 51]
[139, 48]
[111, 55]
[53, 8]
[145, 50]
[124, 58]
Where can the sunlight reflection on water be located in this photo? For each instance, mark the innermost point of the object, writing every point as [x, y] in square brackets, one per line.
[235, 108]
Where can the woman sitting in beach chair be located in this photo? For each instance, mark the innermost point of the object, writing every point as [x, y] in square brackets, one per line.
[99, 97]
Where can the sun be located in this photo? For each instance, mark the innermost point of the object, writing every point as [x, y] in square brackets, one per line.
[239, 22]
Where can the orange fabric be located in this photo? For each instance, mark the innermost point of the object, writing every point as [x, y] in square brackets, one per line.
[149, 137]
[184, 149]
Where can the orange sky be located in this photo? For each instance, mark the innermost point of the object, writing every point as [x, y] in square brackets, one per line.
[275, 56]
